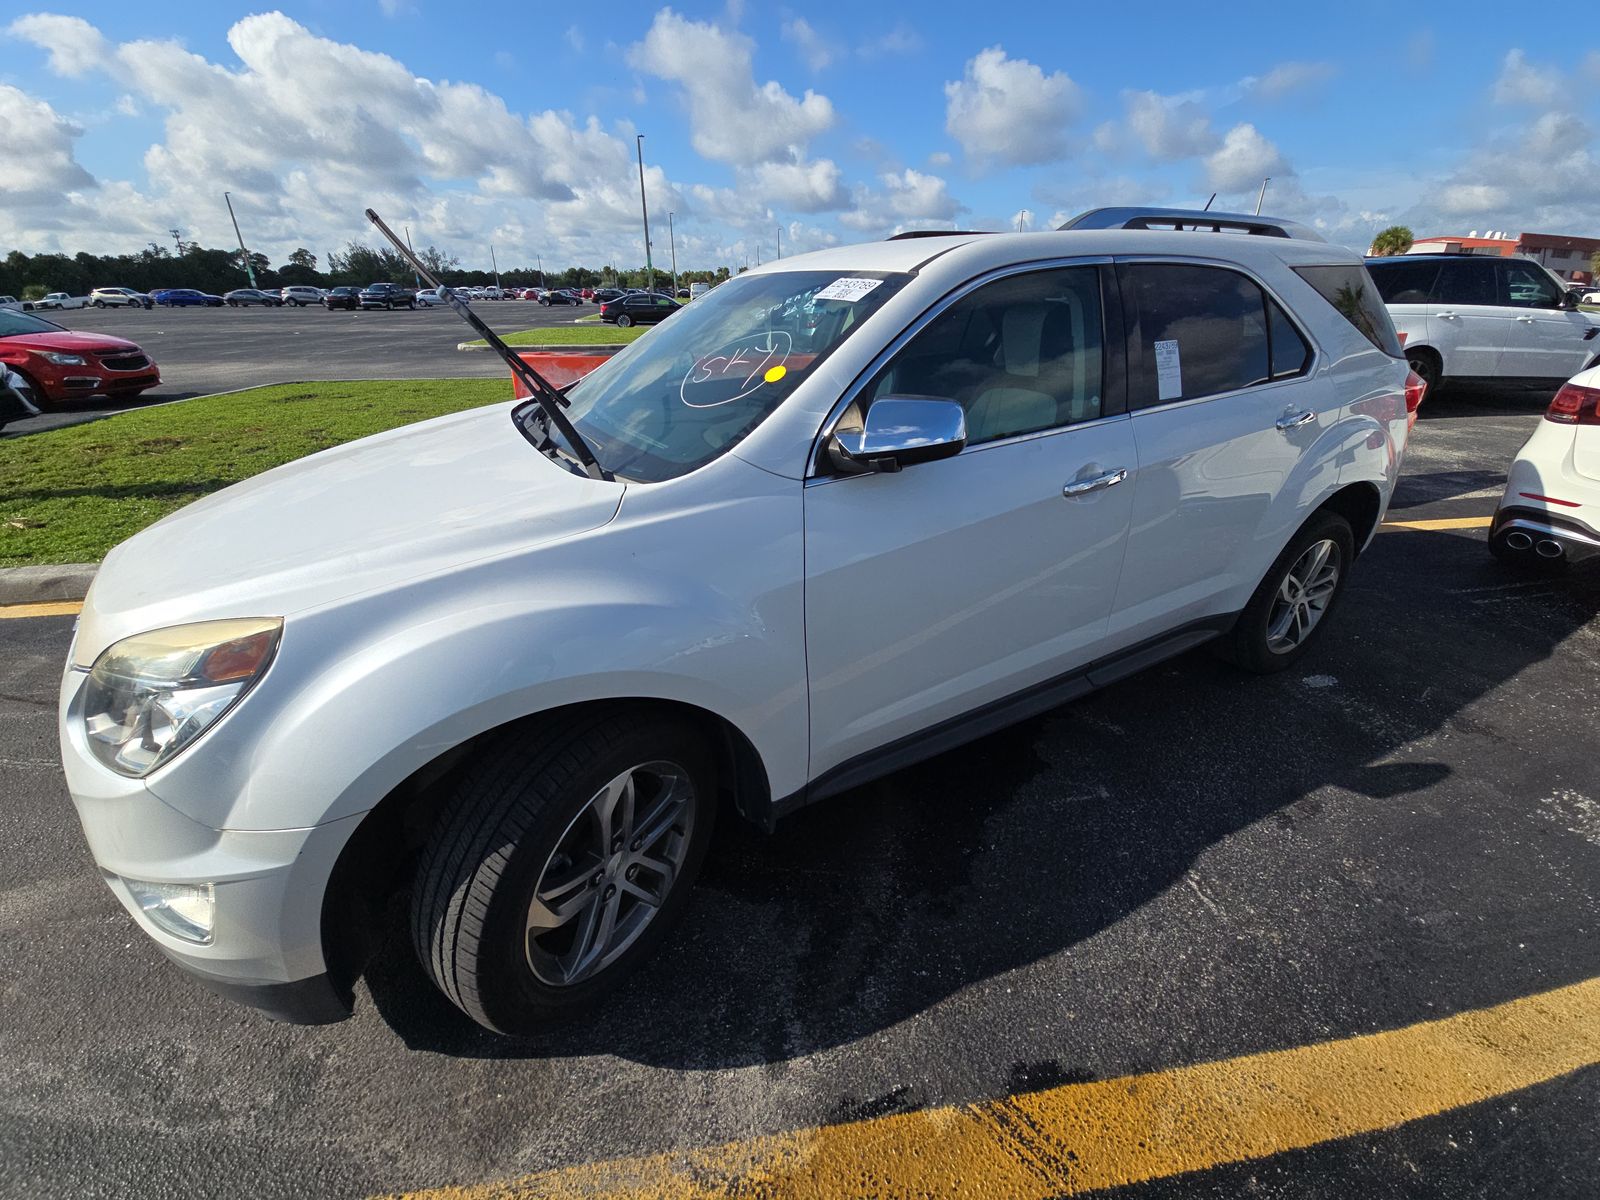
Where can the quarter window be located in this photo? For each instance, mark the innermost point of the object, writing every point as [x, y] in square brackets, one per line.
[1020, 355]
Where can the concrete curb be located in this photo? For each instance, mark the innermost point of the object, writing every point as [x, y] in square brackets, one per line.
[36, 585]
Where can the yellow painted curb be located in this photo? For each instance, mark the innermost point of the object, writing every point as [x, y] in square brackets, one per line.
[51, 608]
[1080, 1137]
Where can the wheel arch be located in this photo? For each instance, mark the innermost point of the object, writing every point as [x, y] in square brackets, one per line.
[1360, 504]
[377, 860]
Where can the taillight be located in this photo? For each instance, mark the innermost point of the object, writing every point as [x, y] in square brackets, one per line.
[1402, 337]
[1416, 389]
[1575, 405]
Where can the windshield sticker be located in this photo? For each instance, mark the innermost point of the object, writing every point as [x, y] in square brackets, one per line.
[1169, 371]
[847, 289]
[736, 370]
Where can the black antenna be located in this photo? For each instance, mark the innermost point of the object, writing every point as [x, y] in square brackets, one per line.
[1210, 202]
[538, 387]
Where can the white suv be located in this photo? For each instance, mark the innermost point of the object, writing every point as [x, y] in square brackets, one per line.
[846, 511]
[300, 296]
[1463, 316]
[119, 297]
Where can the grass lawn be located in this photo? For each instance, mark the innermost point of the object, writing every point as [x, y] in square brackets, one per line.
[69, 495]
[570, 335]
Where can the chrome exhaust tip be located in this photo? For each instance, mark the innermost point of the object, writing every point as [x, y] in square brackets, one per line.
[1517, 540]
[1550, 548]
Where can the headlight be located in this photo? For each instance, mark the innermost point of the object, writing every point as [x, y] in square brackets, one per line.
[150, 695]
[65, 360]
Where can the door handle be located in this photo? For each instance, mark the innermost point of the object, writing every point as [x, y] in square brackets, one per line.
[1082, 487]
[1448, 316]
[1526, 320]
[1295, 420]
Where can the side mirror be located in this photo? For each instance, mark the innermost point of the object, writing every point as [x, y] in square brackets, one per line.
[899, 432]
[1569, 301]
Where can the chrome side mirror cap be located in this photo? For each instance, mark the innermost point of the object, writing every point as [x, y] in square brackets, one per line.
[900, 431]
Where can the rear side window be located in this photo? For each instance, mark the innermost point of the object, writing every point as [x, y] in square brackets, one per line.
[1467, 281]
[1401, 282]
[1355, 297]
[1204, 330]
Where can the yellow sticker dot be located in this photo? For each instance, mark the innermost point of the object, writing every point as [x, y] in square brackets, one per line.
[775, 373]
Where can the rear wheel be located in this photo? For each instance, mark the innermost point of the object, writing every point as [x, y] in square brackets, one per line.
[560, 862]
[1294, 599]
[624, 320]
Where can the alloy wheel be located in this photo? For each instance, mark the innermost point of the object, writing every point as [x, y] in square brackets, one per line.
[610, 872]
[1303, 596]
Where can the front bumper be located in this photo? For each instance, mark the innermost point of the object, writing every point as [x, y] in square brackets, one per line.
[267, 941]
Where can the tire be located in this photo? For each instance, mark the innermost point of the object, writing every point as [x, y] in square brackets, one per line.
[1252, 644]
[98, 303]
[544, 304]
[411, 306]
[1428, 366]
[525, 810]
[624, 320]
[35, 394]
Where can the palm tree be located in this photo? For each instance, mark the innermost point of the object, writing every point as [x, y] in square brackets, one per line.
[1394, 240]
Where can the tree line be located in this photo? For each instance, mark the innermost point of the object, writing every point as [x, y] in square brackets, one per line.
[33, 275]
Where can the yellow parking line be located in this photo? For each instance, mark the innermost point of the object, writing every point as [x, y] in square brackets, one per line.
[1443, 523]
[51, 608]
[1079, 1137]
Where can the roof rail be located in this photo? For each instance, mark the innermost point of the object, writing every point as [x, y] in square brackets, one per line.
[1191, 218]
[922, 233]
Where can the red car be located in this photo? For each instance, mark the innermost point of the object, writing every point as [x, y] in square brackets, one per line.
[58, 364]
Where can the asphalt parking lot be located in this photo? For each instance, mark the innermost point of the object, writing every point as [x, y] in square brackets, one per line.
[1190, 867]
[205, 350]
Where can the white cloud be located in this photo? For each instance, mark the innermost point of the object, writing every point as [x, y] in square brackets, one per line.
[818, 52]
[1008, 111]
[1521, 82]
[731, 118]
[802, 186]
[40, 164]
[939, 158]
[1243, 160]
[76, 47]
[1169, 128]
[1590, 68]
[902, 39]
[908, 199]
[1291, 77]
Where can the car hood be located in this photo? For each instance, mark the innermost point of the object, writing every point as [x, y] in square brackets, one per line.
[403, 505]
[71, 343]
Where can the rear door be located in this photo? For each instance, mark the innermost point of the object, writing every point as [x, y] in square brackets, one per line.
[1467, 320]
[1224, 408]
[1544, 340]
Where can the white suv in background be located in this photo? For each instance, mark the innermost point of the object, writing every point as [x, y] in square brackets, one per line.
[846, 511]
[300, 296]
[1465, 316]
[119, 297]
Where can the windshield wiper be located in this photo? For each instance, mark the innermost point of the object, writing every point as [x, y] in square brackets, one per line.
[550, 400]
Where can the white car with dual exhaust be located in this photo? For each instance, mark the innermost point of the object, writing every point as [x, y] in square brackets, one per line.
[1550, 512]
[845, 511]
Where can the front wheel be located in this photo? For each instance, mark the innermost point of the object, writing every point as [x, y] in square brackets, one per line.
[624, 320]
[99, 303]
[560, 861]
[1295, 598]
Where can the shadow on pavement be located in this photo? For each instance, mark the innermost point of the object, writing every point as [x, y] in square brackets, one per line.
[867, 910]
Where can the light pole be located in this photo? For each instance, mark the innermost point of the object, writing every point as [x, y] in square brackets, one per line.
[415, 278]
[644, 209]
[496, 267]
[540, 257]
[249, 267]
[672, 241]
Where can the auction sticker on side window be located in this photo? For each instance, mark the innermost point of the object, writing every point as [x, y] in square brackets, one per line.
[1169, 371]
[847, 289]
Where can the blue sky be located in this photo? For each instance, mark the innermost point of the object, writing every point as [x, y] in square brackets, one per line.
[513, 124]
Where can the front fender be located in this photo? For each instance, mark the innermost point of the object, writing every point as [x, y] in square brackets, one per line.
[627, 611]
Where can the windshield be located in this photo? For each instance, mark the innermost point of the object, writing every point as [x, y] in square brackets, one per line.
[13, 322]
[699, 383]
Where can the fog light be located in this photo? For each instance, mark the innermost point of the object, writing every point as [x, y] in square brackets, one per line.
[185, 910]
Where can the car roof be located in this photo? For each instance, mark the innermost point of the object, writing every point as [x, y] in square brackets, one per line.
[1400, 258]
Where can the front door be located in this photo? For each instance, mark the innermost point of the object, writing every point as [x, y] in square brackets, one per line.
[954, 584]
[1546, 340]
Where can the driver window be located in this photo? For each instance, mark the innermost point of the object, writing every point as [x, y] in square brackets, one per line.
[1020, 355]
[1529, 287]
